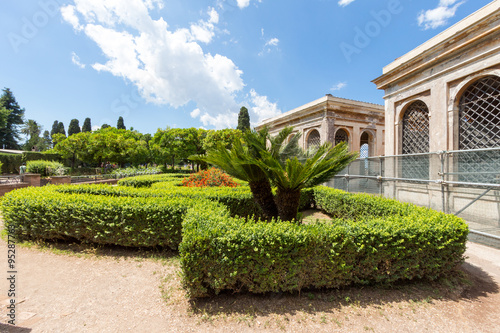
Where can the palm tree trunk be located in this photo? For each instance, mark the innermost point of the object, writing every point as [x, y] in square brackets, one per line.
[288, 203]
[263, 196]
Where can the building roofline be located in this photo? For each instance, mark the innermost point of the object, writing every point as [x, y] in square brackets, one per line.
[432, 44]
[323, 100]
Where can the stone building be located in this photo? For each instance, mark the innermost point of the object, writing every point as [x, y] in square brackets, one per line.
[443, 97]
[445, 94]
[333, 119]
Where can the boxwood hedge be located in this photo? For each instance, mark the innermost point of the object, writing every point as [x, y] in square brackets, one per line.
[45, 213]
[222, 247]
[219, 252]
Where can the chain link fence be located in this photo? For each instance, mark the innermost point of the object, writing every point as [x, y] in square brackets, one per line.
[464, 182]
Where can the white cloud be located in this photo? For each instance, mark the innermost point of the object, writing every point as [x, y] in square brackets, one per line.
[76, 60]
[439, 16]
[244, 3]
[167, 66]
[203, 31]
[261, 108]
[195, 113]
[269, 45]
[343, 3]
[338, 86]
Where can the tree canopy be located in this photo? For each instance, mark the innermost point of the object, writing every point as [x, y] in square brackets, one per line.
[74, 127]
[13, 113]
[120, 124]
[87, 126]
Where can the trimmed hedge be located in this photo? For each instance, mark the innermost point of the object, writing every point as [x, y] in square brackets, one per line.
[45, 168]
[43, 213]
[223, 247]
[12, 162]
[148, 180]
[219, 252]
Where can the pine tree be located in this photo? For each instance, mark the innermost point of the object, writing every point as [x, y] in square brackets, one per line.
[243, 120]
[74, 127]
[87, 127]
[9, 135]
[60, 128]
[120, 124]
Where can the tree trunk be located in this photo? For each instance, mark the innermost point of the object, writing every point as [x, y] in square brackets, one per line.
[263, 196]
[288, 203]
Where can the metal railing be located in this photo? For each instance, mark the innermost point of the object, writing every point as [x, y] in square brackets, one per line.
[461, 182]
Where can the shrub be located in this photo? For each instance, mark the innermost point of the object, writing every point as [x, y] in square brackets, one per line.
[219, 252]
[45, 168]
[209, 178]
[132, 171]
[146, 180]
[43, 213]
[11, 162]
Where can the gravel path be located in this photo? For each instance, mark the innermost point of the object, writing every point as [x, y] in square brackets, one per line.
[122, 291]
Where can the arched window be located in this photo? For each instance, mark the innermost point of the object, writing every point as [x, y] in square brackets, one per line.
[341, 136]
[314, 139]
[364, 150]
[479, 115]
[416, 129]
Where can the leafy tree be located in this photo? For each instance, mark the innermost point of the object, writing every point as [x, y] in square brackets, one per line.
[55, 128]
[120, 124]
[243, 120]
[104, 126]
[226, 137]
[263, 160]
[74, 147]
[9, 134]
[87, 126]
[74, 127]
[60, 128]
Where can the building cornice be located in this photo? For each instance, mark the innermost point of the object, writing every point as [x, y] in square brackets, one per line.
[443, 46]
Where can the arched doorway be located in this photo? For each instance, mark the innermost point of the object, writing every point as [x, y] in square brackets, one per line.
[415, 140]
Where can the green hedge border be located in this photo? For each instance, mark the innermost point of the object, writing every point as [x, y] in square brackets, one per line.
[223, 247]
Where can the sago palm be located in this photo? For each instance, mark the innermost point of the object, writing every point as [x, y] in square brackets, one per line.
[263, 160]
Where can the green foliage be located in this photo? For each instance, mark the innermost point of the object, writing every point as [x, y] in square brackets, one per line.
[223, 247]
[133, 171]
[225, 137]
[243, 120]
[219, 252]
[120, 124]
[147, 180]
[45, 168]
[60, 128]
[42, 213]
[12, 162]
[87, 126]
[12, 115]
[74, 127]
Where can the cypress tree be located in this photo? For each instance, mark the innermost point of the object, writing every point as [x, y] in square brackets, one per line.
[60, 128]
[87, 127]
[243, 120]
[74, 127]
[120, 124]
[105, 126]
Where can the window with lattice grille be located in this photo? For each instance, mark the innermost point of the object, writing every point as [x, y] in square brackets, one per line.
[415, 140]
[341, 136]
[479, 124]
[314, 139]
[416, 129]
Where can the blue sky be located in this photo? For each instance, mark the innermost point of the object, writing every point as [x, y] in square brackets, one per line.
[178, 63]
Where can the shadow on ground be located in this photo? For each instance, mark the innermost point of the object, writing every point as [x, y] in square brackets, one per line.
[13, 329]
[74, 247]
[469, 283]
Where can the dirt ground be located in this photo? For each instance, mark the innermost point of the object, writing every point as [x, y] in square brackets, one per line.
[75, 288]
